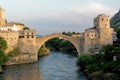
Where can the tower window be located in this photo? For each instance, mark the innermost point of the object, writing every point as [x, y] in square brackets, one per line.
[95, 35]
[102, 19]
[87, 35]
[105, 24]
[92, 35]
[27, 36]
[32, 36]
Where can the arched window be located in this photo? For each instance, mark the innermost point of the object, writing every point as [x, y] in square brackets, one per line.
[27, 36]
[87, 35]
[102, 19]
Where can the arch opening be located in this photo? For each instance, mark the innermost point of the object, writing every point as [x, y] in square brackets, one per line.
[62, 45]
[68, 40]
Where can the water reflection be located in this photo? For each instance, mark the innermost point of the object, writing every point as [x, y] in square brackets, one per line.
[56, 66]
[22, 72]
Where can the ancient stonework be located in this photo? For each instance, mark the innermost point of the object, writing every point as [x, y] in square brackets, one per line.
[28, 43]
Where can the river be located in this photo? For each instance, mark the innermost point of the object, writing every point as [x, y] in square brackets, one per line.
[56, 66]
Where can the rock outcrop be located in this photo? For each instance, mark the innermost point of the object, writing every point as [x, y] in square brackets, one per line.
[115, 20]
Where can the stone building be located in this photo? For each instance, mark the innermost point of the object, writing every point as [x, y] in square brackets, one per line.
[99, 35]
[11, 26]
[2, 17]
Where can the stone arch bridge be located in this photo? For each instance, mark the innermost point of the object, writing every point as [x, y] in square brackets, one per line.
[74, 40]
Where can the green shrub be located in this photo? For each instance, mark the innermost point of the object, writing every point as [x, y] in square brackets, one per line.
[93, 67]
[14, 52]
[97, 75]
[3, 44]
[85, 60]
[3, 58]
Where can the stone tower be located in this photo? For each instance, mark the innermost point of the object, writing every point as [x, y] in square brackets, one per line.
[2, 17]
[102, 25]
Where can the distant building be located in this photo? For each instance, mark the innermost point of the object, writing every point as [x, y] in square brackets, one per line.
[13, 32]
[12, 26]
[101, 34]
[2, 17]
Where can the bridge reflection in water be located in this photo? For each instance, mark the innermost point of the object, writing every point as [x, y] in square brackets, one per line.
[22, 72]
[56, 66]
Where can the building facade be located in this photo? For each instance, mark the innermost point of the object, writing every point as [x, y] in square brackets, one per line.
[99, 35]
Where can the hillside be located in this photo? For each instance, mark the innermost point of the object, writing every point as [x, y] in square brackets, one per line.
[115, 20]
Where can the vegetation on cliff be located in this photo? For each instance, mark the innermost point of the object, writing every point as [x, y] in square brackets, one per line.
[14, 52]
[26, 28]
[115, 21]
[105, 65]
[43, 51]
[3, 46]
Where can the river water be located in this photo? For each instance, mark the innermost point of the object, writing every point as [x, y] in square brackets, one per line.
[56, 66]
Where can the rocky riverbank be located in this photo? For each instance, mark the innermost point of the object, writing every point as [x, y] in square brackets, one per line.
[1, 70]
[43, 51]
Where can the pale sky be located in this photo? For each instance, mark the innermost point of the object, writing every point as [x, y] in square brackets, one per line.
[50, 16]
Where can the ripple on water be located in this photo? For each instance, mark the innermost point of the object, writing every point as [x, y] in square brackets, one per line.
[56, 66]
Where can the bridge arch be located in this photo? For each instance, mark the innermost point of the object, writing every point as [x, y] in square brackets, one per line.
[74, 40]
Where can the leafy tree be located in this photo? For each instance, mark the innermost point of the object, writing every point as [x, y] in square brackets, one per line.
[26, 28]
[3, 58]
[93, 67]
[118, 33]
[85, 60]
[3, 44]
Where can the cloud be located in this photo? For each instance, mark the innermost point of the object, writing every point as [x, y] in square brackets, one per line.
[74, 19]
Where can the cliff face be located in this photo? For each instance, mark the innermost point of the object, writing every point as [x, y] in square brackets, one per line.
[115, 20]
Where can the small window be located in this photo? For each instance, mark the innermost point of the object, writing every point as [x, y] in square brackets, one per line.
[95, 35]
[87, 35]
[27, 36]
[32, 36]
[102, 19]
[92, 35]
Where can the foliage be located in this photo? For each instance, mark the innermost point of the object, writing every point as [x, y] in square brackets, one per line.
[43, 50]
[70, 33]
[3, 44]
[61, 45]
[97, 75]
[84, 60]
[104, 61]
[118, 33]
[14, 52]
[3, 58]
[26, 28]
[93, 67]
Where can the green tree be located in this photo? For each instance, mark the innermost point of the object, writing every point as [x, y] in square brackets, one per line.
[26, 28]
[85, 60]
[118, 33]
[3, 44]
[3, 58]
